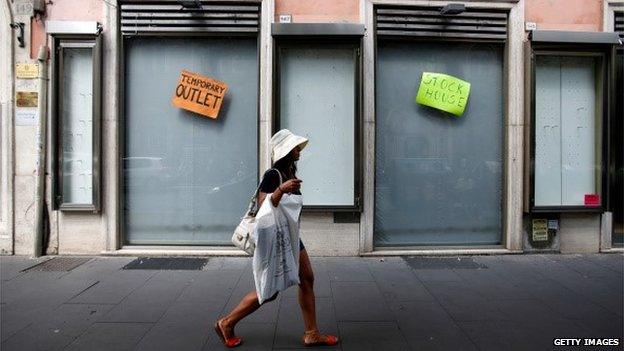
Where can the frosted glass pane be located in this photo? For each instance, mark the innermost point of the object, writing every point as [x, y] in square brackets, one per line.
[566, 164]
[438, 178]
[317, 100]
[77, 126]
[548, 131]
[578, 120]
[188, 178]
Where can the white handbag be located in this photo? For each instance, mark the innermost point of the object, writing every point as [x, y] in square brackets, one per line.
[242, 234]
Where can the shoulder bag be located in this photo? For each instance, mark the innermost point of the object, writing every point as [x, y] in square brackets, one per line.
[242, 234]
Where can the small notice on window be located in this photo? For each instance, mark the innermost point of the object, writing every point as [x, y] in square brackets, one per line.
[592, 200]
[199, 94]
[443, 92]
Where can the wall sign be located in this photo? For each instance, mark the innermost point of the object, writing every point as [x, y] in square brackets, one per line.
[443, 92]
[199, 94]
[540, 230]
[26, 116]
[27, 70]
[26, 99]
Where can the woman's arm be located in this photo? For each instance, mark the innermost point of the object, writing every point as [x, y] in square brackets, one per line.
[288, 187]
[275, 198]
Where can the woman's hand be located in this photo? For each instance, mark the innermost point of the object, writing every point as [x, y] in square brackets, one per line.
[290, 186]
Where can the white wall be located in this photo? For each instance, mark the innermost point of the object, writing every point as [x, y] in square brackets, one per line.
[6, 130]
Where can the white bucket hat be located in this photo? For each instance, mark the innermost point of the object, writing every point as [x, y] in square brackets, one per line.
[283, 142]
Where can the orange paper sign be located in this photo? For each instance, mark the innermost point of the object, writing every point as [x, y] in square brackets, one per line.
[199, 94]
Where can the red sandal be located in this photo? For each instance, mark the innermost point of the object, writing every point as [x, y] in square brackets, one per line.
[230, 343]
[329, 340]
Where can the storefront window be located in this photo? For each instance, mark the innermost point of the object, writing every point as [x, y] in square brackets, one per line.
[77, 96]
[188, 178]
[438, 177]
[568, 147]
[317, 99]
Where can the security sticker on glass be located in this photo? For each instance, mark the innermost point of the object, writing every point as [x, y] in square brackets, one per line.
[443, 92]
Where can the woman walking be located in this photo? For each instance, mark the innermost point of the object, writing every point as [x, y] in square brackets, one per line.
[285, 151]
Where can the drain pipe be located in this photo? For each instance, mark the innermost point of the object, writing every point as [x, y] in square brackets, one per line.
[41, 152]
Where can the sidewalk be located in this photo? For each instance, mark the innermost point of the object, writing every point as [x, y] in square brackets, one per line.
[512, 302]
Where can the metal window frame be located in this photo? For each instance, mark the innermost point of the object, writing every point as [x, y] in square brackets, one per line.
[602, 121]
[59, 43]
[346, 39]
[121, 152]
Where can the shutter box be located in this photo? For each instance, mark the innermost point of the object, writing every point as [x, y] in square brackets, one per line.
[162, 17]
[428, 22]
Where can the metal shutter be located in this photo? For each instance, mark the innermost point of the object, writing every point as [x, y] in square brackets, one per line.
[427, 22]
[143, 17]
[619, 23]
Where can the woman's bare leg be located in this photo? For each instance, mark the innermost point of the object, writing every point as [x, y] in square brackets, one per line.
[245, 307]
[308, 303]
[306, 291]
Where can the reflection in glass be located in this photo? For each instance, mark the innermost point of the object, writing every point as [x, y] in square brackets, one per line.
[188, 178]
[438, 177]
[77, 126]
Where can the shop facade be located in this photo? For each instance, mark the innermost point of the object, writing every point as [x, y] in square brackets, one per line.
[129, 172]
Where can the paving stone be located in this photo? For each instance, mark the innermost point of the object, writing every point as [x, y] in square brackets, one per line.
[57, 329]
[386, 263]
[29, 286]
[427, 326]
[359, 301]
[491, 286]
[437, 275]
[256, 336]
[614, 262]
[574, 307]
[400, 285]
[580, 282]
[348, 270]
[12, 266]
[15, 319]
[609, 300]
[588, 268]
[98, 268]
[527, 310]
[363, 336]
[32, 297]
[149, 302]
[507, 335]
[185, 326]
[609, 328]
[110, 336]
[290, 325]
[36, 339]
[114, 288]
[229, 263]
[211, 286]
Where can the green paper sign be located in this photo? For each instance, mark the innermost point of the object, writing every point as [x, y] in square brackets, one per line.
[443, 92]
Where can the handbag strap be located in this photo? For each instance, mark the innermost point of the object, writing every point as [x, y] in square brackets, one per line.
[254, 197]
